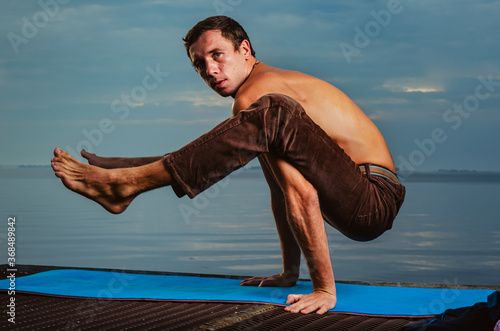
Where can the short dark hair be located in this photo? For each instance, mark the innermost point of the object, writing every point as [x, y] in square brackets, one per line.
[229, 28]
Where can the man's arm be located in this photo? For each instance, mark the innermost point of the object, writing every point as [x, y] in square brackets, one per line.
[307, 225]
[304, 218]
[290, 250]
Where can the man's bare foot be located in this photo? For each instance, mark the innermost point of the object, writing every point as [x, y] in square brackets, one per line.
[117, 162]
[109, 188]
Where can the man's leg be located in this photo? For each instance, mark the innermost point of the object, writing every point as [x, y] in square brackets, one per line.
[275, 123]
[118, 162]
[278, 125]
[214, 155]
[113, 189]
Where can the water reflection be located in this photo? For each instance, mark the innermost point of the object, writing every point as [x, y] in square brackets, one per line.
[444, 231]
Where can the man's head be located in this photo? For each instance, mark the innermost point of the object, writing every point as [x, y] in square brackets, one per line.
[221, 53]
[229, 28]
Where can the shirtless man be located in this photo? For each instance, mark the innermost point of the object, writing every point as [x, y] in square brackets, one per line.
[322, 157]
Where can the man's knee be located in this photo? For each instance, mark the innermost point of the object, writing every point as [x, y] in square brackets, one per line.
[274, 100]
[301, 194]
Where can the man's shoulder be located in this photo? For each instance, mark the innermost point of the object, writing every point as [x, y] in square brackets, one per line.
[267, 80]
[272, 74]
[263, 81]
[244, 99]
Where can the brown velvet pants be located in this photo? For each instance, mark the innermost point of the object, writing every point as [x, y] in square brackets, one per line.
[361, 206]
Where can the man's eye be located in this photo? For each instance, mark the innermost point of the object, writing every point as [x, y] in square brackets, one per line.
[216, 55]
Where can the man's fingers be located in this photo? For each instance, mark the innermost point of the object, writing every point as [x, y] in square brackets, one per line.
[254, 281]
[313, 306]
[315, 302]
[300, 304]
[304, 307]
[321, 311]
[293, 298]
[268, 281]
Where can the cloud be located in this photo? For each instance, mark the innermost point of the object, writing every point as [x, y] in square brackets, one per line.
[382, 101]
[139, 122]
[282, 20]
[202, 99]
[420, 89]
[2, 75]
[87, 15]
[412, 85]
[176, 3]
[164, 121]
[426, 59]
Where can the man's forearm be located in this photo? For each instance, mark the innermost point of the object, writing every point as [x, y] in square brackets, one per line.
[319, 263]
[307, 224]
[290, 249]
[304, 231]
[308, 227]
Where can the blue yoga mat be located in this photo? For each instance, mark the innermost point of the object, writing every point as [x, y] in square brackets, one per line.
[354, 299]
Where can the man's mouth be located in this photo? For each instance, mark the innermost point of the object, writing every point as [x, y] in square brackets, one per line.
[219, 83]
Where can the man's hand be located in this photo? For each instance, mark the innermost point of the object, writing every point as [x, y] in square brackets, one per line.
[279, 280]
[320, 302]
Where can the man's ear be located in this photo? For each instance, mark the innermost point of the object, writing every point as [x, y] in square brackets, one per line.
[245, 49]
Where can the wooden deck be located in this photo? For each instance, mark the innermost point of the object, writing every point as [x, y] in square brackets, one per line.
[40, 312]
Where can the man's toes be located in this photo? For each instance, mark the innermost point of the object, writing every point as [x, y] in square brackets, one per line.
[63, 153]
[85, 154]
[60, 152]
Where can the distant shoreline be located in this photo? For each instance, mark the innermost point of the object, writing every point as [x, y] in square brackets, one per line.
[24, 171]
[24, 166]
[472, 176]
[439, 171]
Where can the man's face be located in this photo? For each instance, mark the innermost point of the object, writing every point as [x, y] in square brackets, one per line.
[218, 63]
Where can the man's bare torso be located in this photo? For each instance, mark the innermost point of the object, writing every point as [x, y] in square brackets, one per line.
[327, 106]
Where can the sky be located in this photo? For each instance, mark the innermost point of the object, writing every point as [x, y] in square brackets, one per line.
[113, 76]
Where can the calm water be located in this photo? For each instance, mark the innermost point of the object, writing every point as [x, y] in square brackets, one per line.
[446, 232]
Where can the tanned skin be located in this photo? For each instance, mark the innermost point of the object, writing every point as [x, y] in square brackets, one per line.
[115, 182]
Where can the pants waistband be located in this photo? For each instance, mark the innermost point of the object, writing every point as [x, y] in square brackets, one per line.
[376, 170]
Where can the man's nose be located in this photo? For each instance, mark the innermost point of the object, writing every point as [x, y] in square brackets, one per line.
[212, 68]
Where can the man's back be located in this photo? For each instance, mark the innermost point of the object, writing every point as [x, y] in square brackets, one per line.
[329, 107]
